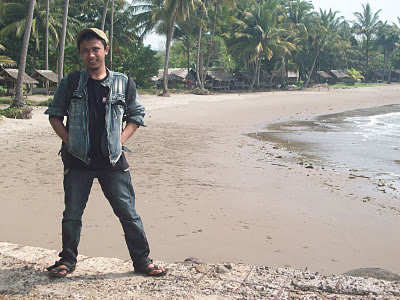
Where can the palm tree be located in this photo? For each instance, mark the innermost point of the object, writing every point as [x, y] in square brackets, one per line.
[260, 34]
[383, 42]
[185, 34]
[103, 18]
[46, 37]
[216, 4]
[299, 13]
[15, 20]
[393, 38]
[62, 42]
[111, 33]
[19, 97]
[199, 60]
[366, 24]
[323, 31]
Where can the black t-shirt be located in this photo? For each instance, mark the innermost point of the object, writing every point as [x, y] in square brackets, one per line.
[97, 96]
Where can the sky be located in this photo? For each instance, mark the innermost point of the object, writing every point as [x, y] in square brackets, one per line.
[390, 8]
[390, 12]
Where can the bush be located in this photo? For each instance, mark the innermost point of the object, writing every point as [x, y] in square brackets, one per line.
[6, 100]
[200, 92]
[3, 91]
[17, 112]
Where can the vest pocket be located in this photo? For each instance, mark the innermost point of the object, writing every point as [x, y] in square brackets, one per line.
[75, 108]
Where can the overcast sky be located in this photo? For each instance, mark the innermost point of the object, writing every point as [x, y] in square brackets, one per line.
[390, 8]
[390, 12]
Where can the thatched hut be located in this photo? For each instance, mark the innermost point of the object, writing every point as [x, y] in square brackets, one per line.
[176, 76]
[323, 77]
[339, 76]
[10, 80]
[45, 76]
[219, 80]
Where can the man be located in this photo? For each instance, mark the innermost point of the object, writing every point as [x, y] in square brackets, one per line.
[96, 102]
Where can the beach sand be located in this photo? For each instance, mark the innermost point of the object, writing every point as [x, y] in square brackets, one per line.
[204, 189]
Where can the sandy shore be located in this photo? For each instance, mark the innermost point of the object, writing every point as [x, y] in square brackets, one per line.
[206, 190]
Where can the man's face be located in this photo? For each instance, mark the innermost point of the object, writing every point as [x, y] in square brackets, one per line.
[93, 54]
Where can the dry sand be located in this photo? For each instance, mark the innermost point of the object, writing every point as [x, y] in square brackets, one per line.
[204, 189]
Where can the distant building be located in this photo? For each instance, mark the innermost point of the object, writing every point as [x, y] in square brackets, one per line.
[42, 76]
[176, 76]
[9, 80]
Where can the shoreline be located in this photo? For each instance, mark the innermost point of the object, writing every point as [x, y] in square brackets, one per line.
[204, 189]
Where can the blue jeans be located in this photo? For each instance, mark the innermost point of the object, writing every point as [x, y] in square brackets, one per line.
[117, 188]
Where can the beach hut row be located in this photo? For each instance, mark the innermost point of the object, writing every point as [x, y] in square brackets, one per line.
[218, 80]
[45, 81]
[332, 77]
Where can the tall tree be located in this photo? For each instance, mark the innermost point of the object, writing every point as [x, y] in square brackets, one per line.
[103, 17]
[323, 31]
[46, 37]
[366, 24]
[167, 13]
[19, 97]
[260, 34]
[111, 34]
[62, 42]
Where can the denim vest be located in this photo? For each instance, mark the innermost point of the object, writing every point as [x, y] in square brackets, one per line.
[117, 109]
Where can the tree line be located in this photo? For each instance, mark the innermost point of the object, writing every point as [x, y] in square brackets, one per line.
[256, 36]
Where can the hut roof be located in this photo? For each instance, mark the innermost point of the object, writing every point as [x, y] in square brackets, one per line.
[220, 76]
[13, 75]
[338, 73]
[45, 74]
[324, 74]
[397, 71]
[178, 74]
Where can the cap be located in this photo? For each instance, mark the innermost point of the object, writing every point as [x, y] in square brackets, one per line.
[96, 31]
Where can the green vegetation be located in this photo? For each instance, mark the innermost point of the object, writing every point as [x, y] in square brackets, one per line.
[17, 112]
[351, 85]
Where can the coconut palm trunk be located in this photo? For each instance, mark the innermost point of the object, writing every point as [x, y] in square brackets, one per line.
[212, 42]
[257, 61]
[366, 58]
[312, 69]
[198, 66]
[390, 70]
[384, 65]
[273, 74]
[103, 18]
[111, 34]
[19, 97]
[46, 44]
[62, 42]
[170, 34]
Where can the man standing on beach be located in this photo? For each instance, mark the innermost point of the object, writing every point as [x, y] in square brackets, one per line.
[96, 102]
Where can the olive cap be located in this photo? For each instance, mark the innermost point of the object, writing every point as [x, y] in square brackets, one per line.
[96, 31]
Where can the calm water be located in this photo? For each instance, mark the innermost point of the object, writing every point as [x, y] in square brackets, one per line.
[362, 139]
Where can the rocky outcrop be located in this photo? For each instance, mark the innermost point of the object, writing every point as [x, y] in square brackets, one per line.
[23, 276]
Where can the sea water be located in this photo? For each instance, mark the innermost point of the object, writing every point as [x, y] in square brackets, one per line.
[365, 140]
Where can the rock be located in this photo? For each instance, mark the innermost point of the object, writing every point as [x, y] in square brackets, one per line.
[221, 270]
[377, 273]
[202, 268]
[193, 260]
[228, 266]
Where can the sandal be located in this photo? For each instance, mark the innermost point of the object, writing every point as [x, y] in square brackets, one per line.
[68, 268]
[147, 271]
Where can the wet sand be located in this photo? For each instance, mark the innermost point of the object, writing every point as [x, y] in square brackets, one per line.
[204, 189]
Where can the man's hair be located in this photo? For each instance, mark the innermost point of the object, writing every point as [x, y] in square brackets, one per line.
[87, 36]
